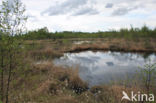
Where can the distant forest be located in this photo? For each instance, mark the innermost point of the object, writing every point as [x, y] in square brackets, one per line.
[43, 33]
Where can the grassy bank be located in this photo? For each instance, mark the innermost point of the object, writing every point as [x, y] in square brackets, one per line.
[40, 81]
[82, 44]
[123, 45]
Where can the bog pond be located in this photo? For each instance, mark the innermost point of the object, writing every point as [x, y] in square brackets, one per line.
[99, 67]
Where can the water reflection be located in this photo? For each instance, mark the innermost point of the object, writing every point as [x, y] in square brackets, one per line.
[103, 67]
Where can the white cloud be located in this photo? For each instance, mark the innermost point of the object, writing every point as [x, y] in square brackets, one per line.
[76, 7]
[89, 15]
[85, 10]
[123, 10]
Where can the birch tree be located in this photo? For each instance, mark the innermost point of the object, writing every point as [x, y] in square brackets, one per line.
[12, 23]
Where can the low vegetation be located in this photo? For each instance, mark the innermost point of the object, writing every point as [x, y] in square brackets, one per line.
[27, 72]
[40, 81]
[132, 33]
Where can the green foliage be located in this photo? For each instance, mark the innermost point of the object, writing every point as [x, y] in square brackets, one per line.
[12, 20]
[122, 33]
[148, 75]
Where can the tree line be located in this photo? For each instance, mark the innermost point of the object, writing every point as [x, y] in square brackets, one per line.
[43, 33]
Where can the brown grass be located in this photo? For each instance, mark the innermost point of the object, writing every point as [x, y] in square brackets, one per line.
[42, 82]
[140, 45]
[59, 83]
[45, 54]
[71, 78]
[67, 99]
[43, 66]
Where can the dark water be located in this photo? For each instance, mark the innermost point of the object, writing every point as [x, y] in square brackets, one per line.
[104, 67]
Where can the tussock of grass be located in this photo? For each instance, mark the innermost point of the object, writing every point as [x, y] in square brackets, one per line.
[76, 84]
[73, 80]
[44, 66]
[45, 54]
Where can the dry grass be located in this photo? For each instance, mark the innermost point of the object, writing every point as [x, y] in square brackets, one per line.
[43, 66]
[43, 82]
[76, 84]
[141, 45]
[56, 48]
[71, 78]
[45, 54]
[67, 99]
[57, 85]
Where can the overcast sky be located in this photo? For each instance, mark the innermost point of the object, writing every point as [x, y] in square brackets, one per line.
[89, 15]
